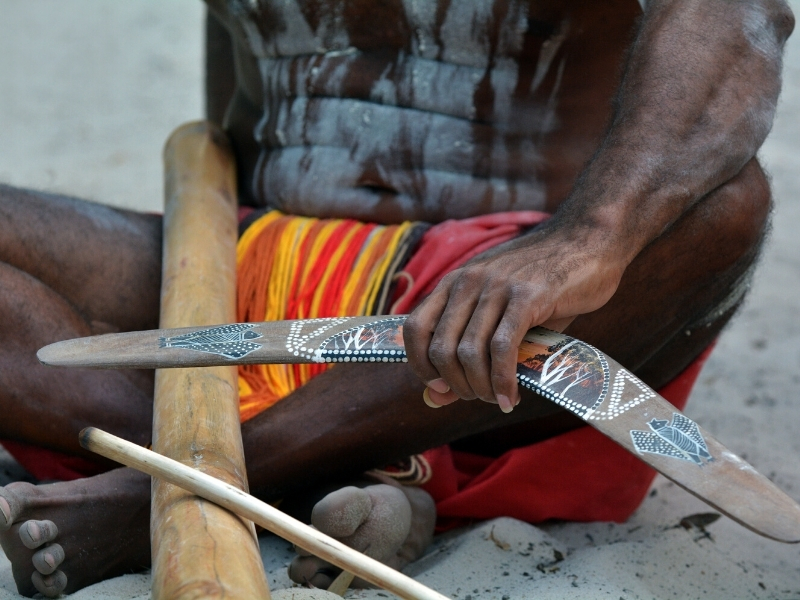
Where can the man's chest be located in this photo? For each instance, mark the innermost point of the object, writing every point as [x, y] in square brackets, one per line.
[476, 33]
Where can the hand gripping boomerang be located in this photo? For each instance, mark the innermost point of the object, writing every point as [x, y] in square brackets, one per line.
[563, 369]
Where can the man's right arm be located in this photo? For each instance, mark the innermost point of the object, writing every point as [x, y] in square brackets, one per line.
[696, 102]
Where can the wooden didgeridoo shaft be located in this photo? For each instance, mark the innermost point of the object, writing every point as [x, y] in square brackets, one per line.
[199, 549]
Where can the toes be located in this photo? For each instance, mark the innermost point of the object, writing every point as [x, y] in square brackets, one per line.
[49, 585]
[383, 532]
[375, 520]
[8, 509]
[35, 533]
[312, 571]
[340, 513]
[48, 558]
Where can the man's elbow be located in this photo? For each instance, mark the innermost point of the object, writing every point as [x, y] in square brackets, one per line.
[763, 28]
[781, 17]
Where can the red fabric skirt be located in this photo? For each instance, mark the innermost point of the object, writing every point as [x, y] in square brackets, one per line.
[580, 475]
[577, 476]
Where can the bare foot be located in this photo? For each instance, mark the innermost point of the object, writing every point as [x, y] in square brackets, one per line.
[61, 537]
[391, 523]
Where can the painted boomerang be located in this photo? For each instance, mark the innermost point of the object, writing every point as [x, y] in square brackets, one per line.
[565, 370]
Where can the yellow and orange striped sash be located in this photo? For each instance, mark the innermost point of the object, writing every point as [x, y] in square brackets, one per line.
[303, 268]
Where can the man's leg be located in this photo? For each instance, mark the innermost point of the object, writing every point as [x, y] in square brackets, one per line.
[356, 416]
[679, 293]
[70, 268]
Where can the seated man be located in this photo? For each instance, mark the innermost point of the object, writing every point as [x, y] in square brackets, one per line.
[392, 112]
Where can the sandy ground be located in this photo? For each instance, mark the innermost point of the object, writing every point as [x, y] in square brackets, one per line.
[88, 92]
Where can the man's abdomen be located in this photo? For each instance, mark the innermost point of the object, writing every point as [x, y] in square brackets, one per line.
[475, 108]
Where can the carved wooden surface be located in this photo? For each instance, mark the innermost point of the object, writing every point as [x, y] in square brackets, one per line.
[199, 549]
[565, 370]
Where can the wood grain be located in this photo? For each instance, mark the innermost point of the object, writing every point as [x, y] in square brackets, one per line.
[143, 349]
[199, 549]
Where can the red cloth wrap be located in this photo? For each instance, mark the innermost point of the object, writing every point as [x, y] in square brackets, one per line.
[450, 244]
[577, 476]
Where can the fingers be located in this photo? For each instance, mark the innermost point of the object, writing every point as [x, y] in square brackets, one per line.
[504, 349]
[436, 400]
[463, 340]
[433, 335]
[418, 332]
[474, 348]
[49, 585]
[472, 330]
[35, 533]
[445, 350]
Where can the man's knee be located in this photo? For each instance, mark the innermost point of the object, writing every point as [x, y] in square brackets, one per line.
[733, 222]
[738, 215]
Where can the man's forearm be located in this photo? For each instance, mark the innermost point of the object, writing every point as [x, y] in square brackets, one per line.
[696, 102]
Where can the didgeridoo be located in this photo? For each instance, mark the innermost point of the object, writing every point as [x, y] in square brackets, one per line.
[563, 369]
[198, 549]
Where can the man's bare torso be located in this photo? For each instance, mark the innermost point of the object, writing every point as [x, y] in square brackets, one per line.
[406, 109]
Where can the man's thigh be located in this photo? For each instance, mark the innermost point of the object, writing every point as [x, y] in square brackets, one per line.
[106, 262]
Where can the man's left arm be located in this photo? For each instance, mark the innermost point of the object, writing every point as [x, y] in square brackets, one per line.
[697, 100]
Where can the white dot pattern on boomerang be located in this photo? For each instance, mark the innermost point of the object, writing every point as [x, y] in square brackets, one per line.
[297, 342]
[606, 378]
[373, 354]
[646, 441]
[615, 407]
[574, 407]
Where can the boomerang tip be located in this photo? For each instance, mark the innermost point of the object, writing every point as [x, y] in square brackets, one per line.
[786, 532]
[49, 355]
[786, 527]
[61, 354]
[752, 500]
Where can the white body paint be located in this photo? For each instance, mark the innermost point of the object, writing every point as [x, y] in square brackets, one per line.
[424, 98]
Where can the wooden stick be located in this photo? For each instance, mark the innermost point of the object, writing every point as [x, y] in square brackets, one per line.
[259, 512]
[200, 550]
[342, 582]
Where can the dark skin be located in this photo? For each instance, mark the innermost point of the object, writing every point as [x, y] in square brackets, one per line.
[644, 258]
